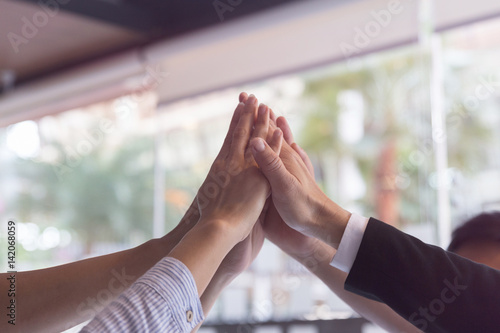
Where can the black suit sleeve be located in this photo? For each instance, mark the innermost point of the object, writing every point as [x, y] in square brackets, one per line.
[437, 291]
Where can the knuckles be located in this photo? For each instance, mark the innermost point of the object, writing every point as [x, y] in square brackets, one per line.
[274, 164]
[241, 133]
[233, 167]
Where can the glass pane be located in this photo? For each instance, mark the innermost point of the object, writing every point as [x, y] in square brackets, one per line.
[472, 91]
[367, 130]
[80, 183]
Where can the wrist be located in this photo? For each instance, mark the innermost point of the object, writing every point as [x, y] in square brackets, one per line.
[203, 249]
[188, 221]
[319, 254]
[170, 240]
[301, 250]
[330, 222]
[225, 230]
[231, 230]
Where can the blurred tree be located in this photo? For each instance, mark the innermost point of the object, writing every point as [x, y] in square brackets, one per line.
[104, 196]
[385, 87]
[395, 155]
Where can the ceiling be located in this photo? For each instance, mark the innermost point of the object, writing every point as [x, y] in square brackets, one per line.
[76, 58]
[38, 41]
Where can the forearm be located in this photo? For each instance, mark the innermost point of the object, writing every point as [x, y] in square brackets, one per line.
[212, 292]
[53, 299]
[164, 299]
[318, 262]
[203, 249]
[57, 298]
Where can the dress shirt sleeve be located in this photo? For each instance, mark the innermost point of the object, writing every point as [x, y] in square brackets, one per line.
[350, 242]
[164, 299]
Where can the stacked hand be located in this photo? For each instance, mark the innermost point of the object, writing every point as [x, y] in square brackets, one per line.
[243, 254]
[239, 197]
[257, 186]
[276, 230]
[235, 191]
[312, 212]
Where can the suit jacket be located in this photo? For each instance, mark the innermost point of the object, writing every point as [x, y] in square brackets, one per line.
[436, 290]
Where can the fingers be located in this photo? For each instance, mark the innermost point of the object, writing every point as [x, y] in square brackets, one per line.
[234, 121]
[276, 141]
[271, 165]
[287, 132]
[261, 127]
[262, 124]
[243, 97]
[229, 136]
[282, 123]
[242, 131]
[272, 116]
[305, 158]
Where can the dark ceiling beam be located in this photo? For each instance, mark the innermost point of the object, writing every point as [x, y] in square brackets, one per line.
[117, 12]
[164, 18]
[154, 19]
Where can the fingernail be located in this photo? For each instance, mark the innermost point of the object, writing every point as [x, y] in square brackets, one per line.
[258, 145]
[251, 100]
[241, 104]
[242, 94]
[262, 109]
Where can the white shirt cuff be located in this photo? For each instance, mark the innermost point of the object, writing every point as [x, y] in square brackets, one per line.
[350, 242]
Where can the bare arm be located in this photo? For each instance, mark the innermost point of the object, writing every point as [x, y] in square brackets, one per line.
[243, 254]
[316, 255]
[57, 298]
[231, 213]
[237, 260]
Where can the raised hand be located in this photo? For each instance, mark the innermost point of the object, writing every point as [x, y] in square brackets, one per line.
[232, 199]
[243, 254]
[297, 197]
[215, 180]
[276, 230]
[238, 194]
[212, 181]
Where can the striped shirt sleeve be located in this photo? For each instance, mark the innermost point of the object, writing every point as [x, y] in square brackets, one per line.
[165, 299]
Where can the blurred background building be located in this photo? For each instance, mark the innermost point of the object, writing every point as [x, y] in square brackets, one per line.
[111, 113]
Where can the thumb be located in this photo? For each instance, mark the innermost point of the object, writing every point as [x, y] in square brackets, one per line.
[271, 165]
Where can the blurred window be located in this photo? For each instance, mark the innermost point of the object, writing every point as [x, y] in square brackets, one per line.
[82, 183]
